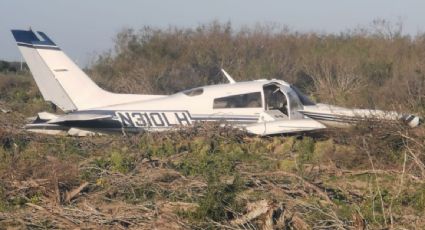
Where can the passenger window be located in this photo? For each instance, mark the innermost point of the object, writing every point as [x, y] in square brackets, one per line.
[249, 100]
[194, 92]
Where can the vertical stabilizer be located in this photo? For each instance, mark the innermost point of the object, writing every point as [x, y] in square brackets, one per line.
[60, 80]
[30, 47]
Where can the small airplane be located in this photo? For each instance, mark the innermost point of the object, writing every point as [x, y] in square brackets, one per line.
[261, 107]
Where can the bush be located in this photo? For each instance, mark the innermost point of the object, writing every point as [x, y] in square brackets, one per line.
[355, 68]
[305, 150]
[219, 202]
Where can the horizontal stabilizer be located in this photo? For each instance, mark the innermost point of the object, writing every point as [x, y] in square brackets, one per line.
[45, 116]
[78, 117]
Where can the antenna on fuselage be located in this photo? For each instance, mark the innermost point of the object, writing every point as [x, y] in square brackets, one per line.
[229, 78]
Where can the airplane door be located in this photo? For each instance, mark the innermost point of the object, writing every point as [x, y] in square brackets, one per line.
[276, 104]
[294, 105]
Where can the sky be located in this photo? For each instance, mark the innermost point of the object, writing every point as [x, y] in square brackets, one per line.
[86, 28]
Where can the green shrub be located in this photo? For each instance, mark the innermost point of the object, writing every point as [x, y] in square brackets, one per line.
[219, 199]
[323, 150]
[121, 162]
[288, 165]
[415, 199]
[305, 150]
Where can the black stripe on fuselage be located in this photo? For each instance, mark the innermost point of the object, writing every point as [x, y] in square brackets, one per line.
[336, 118]
[194, 117]
[224, 119]
[117, 122]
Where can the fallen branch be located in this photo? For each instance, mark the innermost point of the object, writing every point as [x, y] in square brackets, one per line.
[74, 193]
[52, 213]
[378, 171]
[322, 194]
[36, 206]
[255, 210]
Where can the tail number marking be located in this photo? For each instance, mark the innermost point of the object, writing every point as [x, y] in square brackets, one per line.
[153, 119]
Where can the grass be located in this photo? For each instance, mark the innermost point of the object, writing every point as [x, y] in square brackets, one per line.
[219, 171]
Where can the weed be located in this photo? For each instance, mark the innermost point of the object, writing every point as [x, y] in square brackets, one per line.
[120, 162]
[140, 193]
[305, 150]
[219, 202]
[415, 199]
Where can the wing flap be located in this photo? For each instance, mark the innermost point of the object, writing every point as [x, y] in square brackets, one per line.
[284, 127]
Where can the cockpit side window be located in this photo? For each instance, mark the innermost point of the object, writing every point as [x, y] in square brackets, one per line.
[249, 100]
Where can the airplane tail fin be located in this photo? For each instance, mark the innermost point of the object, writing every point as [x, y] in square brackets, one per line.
[59, 79]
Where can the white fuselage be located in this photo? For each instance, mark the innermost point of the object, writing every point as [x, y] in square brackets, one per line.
[262, 107]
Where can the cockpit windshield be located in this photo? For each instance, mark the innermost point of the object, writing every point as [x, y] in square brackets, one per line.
[303, 98]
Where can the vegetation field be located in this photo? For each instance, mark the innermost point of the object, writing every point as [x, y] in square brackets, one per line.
[370, 176]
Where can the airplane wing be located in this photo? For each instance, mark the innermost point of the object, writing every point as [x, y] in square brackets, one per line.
[283, 126]
[329, 113]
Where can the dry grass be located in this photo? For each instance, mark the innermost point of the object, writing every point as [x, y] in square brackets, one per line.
[210, 177]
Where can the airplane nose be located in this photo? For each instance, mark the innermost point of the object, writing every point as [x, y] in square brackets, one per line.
[413, 121]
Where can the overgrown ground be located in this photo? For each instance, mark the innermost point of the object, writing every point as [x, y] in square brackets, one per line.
[364, 177]
[209, 177]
